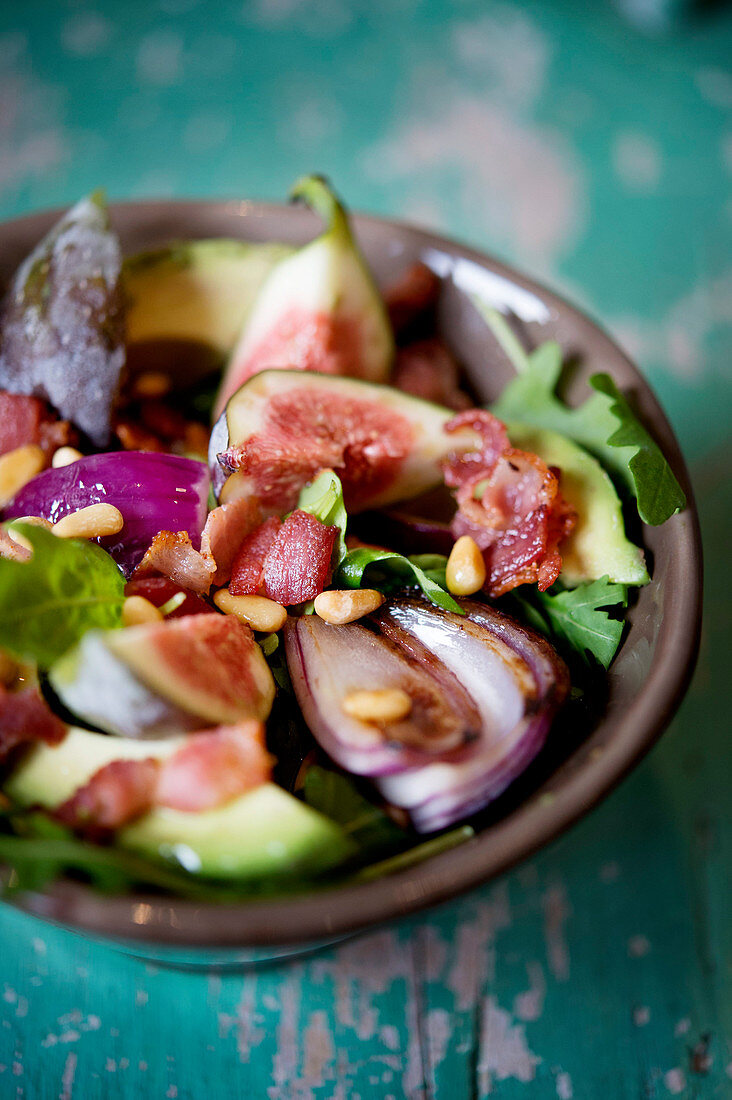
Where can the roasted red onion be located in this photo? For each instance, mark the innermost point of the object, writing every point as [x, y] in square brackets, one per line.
[327, 662]
[153, 492]
[510, 674]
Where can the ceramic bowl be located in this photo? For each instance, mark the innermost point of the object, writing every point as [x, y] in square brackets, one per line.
[645, 683]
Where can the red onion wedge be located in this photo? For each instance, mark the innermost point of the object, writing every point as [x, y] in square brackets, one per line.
[327, 662]
[510, 674]
[517, 682]
[153, 492]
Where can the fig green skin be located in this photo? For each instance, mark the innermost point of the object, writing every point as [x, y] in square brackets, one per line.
[62, 321]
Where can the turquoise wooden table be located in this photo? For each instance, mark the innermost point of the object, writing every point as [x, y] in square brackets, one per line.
[592, 148]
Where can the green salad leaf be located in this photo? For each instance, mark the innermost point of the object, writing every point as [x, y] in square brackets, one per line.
[49, 602]
[605, 424]
[323, 498]
[336, 796]
[385, 570]
[578, 616]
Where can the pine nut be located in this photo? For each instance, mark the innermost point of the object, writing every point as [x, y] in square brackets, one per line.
[93, 522]
[34, 521]
[64, 456]
[465, 572]
[382, 707]
[151, 383]
[136, 610]
[17, 468]
[256, 611]
[345, 605]
[8, 669]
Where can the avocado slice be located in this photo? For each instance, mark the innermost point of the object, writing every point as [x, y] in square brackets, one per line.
[598, 546]
[49, 774]
[264, 833]
[318, 310]
[195, 291]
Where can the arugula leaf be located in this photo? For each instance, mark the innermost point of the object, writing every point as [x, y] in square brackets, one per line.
[605, 424]
[323, 498]
[427, 848]
[575, 616]
[336, 796]
[386, 570]
[48, 603]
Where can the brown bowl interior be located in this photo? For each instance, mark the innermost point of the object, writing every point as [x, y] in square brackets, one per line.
[646, 681]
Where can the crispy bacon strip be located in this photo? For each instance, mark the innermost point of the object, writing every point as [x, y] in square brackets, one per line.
[115, 794]
[213, 767]
[210, 769]
[509, 502]
[24, 718]
[298, 563]
[226, 528]
[412, 295]
[247, 570]
[171, 554]
[427, 369]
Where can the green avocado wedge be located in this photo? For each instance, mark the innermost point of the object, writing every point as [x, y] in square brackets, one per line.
[49, 774]
[598, 546]
[318, 310]
[196, 291]
[265, 833]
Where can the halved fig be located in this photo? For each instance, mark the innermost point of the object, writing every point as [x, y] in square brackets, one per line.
[282, 427]
[167, 677]
[327, 663]
[318, 310]
[62, 321]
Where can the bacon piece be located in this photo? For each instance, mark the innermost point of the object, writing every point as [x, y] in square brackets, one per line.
[428, 370]
[509, 502]
[29, 420]
[25, 717]
[412, 295]
[12, 550]
[133, 437]
[247, 570]
[21, 419]
[226, 528]
[298, 563]
[117, 793]
[171, 553]
[213, 767]
[159, 590]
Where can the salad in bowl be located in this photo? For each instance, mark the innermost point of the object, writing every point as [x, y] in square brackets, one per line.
[283, 603]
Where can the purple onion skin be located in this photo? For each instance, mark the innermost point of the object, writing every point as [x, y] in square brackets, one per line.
[154, 492]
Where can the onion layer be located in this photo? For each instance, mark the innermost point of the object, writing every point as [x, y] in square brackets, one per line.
[153, 492]
[484, 662]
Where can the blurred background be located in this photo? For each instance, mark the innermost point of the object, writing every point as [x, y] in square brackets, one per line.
[591, 145]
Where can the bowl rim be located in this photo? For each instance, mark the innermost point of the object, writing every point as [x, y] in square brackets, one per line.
[340, 910]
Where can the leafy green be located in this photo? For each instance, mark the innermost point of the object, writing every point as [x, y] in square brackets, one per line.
[48, 603]
[419, 852]
[323, 498]
[336, 796]
[605, 424]
[386, 571]
[576, 616]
